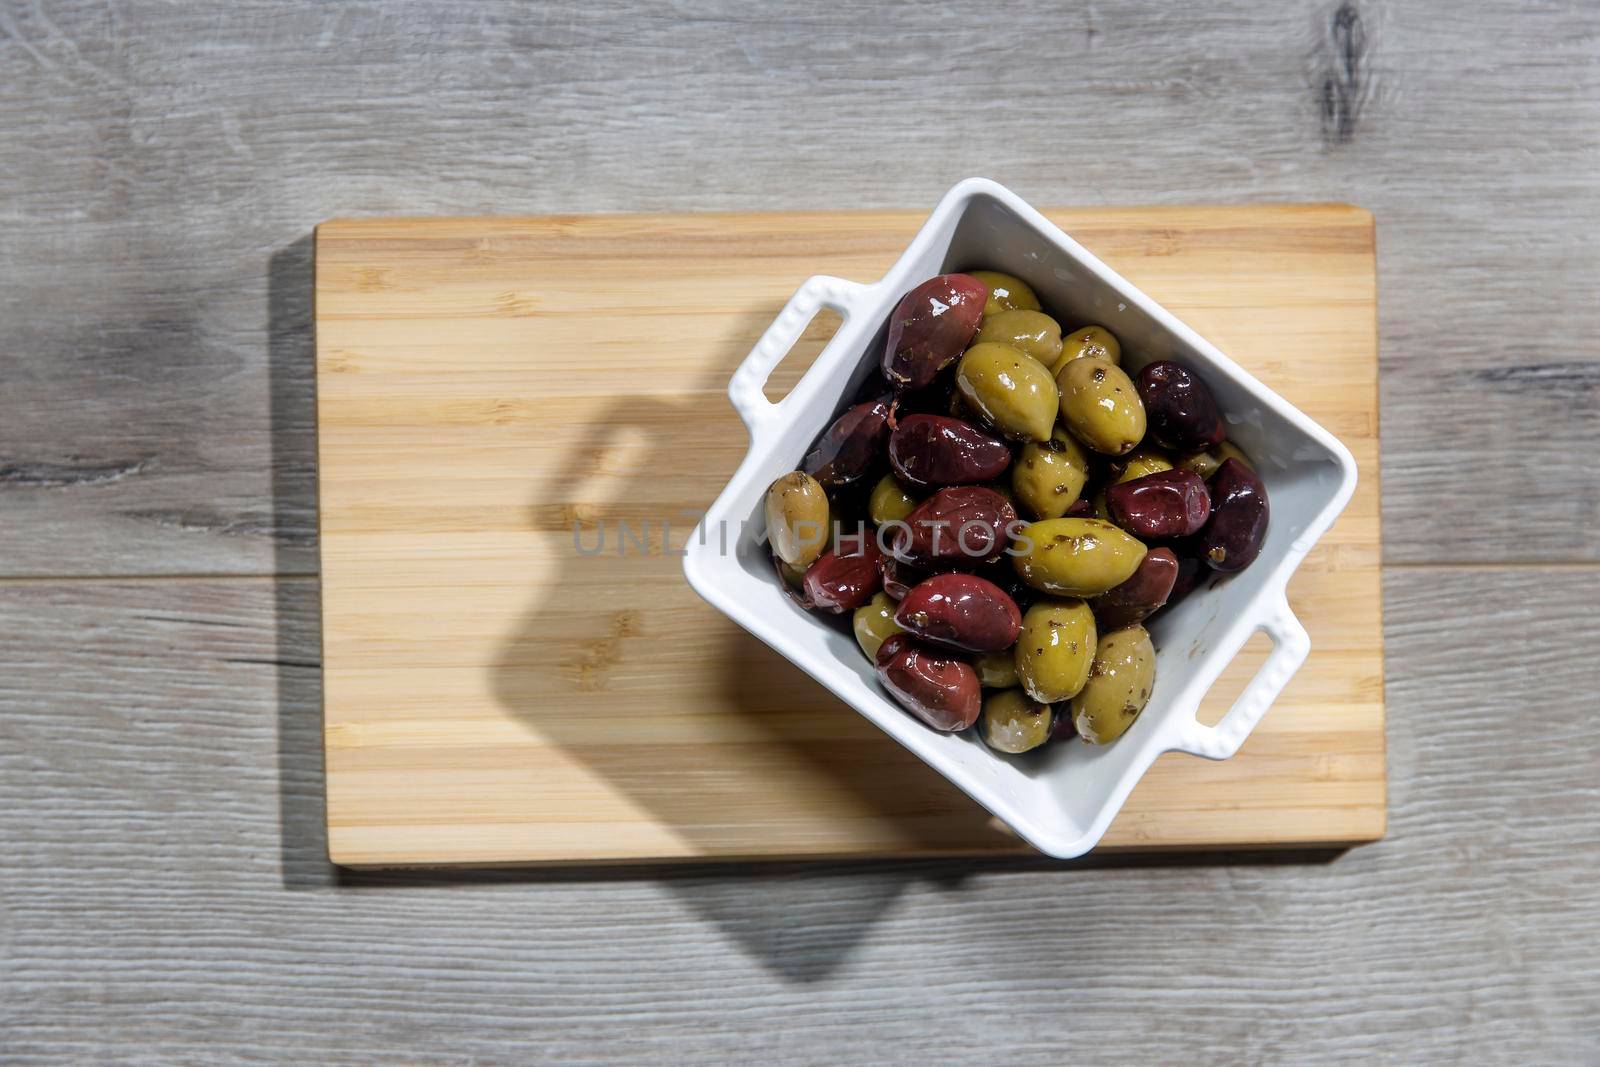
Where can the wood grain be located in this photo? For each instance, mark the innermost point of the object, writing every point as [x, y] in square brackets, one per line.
[494, 694]
[161, 166]
[161, 897]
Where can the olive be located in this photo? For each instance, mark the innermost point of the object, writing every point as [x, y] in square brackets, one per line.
[797, 518]
[851, 447]
[900, 578]
[996, 670]
[1083, 509]
[1119, 685]
[1137, 598]
[928, 451]
[1075, 557]
[1205, 463]
[1097, 506]
[1049, 476]
[931, 326]
[889, 501]
[1007, 292]
[1232, 539]
[1183, 415]
[1055, 648]
[874, 624]
[1160, 505]
[793, 577]
[1100, 406]
[1190, 573]
[1000, 571]
[1095, 342]
[935, 687]
[960, 611]
[1012, 391]
[845, 577]
[960, 526]
[1032, 333]
[1014, 722]
[1136, 464]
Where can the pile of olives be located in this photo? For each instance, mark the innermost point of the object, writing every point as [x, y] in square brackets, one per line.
[1005, 507]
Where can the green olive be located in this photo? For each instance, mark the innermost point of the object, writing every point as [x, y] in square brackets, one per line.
[1075, 557]
[1011, 390]
[1048, 477]
[1143, 460]
[889, 501]
[797, 518]
[996, 670]
[1119, 685]
[1014, 722]
[1055, 648]
[1098, 503]
[794, 577]
[1100, 405]
[1205, 463]
[874, 623]
[1007, 292]
[1032, 333]
[1096, 342]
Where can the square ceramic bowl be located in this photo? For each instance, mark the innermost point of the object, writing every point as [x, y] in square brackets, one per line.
[1062, 797]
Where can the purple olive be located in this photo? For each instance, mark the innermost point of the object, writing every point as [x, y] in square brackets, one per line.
[1137, 598]
[1081, 509]
[1003, 574]
[1171, 503]
[931, 326]
[899, 578]
[935, 687]
[961, 611]
[1179, 410]
[958, 527]
[1190, 573]
[929, 451]
[845, 577]
[851, 447]
[1239, 513]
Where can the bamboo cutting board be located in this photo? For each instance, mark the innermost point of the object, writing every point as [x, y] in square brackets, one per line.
[494, 697]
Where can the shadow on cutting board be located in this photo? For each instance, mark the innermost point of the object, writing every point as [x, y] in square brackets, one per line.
[573, 662]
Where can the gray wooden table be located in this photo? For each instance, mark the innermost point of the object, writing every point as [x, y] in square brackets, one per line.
[163, 894]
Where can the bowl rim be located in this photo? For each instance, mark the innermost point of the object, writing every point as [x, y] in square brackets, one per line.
[864, 307]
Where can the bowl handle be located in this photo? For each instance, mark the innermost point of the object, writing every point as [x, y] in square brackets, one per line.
[813, 295]
[1290, 646]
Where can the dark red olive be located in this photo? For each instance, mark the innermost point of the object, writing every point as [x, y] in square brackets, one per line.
[1080, 509]
[1231, 541]
[1190, 573]
[899, 578]
[1002, 573]
[931, 326]
[1137, 598]
[845, 577]
[961, 611]
[935, 687]
[928, 451]
[958, 527]
[1179, 410]
[851, 447]
[1171, 503]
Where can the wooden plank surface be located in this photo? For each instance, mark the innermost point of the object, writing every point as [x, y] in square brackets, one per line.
[161, 166]
[495, 695]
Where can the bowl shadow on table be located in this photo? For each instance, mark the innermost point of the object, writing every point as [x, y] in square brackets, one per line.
[570, 651]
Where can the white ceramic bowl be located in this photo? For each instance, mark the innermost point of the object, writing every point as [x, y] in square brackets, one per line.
[1062, 797]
